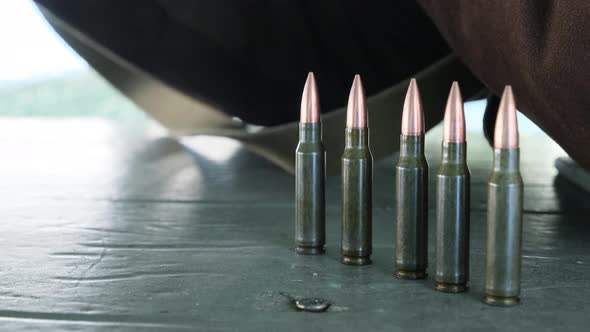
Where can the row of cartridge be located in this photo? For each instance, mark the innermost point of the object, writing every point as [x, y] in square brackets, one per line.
[504, 205]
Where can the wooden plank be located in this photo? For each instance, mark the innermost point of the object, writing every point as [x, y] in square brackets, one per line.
[107, 227]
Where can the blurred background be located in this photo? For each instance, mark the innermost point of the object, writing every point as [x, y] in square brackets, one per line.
[40, 75]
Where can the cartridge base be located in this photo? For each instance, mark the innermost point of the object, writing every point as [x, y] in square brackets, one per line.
[310, 250]
[450, 288]
[355, 260]
[410, 275]
[501, 301]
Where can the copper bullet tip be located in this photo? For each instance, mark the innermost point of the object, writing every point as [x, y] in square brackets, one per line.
[310, 101]
[454, 122]
[506, 131]
[356, 114]
[412, 117]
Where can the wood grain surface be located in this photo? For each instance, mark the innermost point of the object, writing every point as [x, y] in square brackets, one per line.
[110, 226]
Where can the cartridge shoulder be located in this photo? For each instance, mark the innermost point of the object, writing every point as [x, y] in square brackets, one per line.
[412, 162]
[357, 153]
[454, 169]
[505, 178]
[310, 147]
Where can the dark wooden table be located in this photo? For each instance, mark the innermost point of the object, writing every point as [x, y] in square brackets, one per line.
[117, 226]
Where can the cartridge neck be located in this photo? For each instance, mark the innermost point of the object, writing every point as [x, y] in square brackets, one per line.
[411, 145]
[310, 132]
[506, 160]
[357, 137]
[453, 152]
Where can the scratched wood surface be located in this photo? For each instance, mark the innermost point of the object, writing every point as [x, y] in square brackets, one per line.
[111, 226]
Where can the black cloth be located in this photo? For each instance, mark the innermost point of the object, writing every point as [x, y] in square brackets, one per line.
[540, 47]
[250, 58]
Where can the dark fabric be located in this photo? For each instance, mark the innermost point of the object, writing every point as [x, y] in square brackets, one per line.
[251, 58]
[540, 47]
[489, 117]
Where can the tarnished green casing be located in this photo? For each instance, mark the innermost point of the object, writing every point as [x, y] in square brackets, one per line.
[310, 175]
[504, 229]
[357, 182]
[452, 219]
[411, 203]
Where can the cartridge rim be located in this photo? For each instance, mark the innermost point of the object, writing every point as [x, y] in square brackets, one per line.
[357, 261]
[501, 301]
[410, 274]
[302, 250]
[450, 288]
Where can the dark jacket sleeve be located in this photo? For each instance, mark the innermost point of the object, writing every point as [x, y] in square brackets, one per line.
[540, 47]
